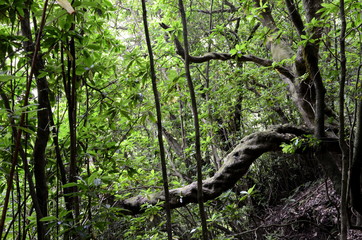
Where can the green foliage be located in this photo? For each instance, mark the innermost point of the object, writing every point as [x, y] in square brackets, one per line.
[239, 50]
[300, 144]
[117, 151]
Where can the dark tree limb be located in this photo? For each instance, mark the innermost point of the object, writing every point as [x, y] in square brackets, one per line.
[342, 141]
[356, 165]
[231, 6]
[198, 157]
[236, 164]
[295, 16]
[216, 11]
[253, 31]
[227, 56]
[159, 121]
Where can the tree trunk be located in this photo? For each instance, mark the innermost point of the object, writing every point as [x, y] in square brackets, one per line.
[43, 123]
[355, 180]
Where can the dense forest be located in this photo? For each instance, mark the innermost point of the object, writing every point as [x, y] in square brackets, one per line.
[181, 119]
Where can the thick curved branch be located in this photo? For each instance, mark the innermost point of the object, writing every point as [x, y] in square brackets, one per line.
[227, 56]
[236, 164]
[244, 58]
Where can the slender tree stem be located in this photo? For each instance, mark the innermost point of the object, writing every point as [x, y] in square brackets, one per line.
[72, 113]
[209, 109]
[159, 123]
[342, 142]
[200, 198]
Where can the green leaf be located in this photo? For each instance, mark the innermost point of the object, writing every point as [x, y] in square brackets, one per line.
[48, 219]
[31, 132]
[80, 70]
[64, 213]
[71, 184]
[92, 177]
[5, 78]
[233, 51]
[251, 190]
[42, 74]
[94, 46]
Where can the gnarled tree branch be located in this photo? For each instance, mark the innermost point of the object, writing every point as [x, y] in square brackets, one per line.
[236, 164]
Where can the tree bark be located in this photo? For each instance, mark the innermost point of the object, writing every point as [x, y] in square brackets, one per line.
[342, 142]
[72, 115]
[236, 164]
[356, 168]
[42, 117]
[311, 58]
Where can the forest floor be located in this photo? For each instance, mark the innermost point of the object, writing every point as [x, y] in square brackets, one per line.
[310, 213]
